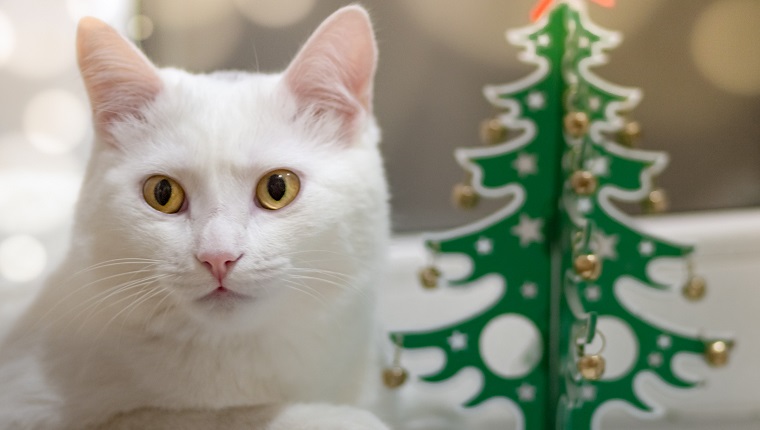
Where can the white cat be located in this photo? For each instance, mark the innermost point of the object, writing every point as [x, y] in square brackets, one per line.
[228, 237]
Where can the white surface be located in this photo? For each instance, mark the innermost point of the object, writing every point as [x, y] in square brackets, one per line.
[727, 255]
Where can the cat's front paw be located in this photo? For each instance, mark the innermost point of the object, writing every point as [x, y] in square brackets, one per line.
[317, 416]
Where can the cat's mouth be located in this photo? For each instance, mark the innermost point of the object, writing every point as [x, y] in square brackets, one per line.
[222, 293]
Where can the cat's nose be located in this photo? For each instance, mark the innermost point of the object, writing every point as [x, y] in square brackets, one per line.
[219, 263]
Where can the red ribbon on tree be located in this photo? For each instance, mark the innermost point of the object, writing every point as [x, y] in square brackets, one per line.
[544, 5]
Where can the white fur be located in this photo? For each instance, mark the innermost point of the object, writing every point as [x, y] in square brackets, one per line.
[118, 326]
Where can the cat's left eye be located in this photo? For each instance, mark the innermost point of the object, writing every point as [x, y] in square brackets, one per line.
[163, 194]
[277, 189]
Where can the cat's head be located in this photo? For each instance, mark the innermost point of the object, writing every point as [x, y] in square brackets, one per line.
[231, 195]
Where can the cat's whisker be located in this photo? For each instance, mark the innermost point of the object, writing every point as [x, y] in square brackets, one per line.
[157, 308]
[132, 300]
[305, 289]
[79, 289]
[104, 296]
[343, 286]
[320, 252]
[159, 290]
[95, 308]
[75, 292]
[99, 280]
[147, 295]
[334, 274]
[118, 261]
[108, 263]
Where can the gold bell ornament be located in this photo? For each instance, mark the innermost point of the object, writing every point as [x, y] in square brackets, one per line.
[630, 134]
[429, 277]
[718, 352]
[576, 123]
[588, 266]
[464, 196]
[394, 375]
[591, 366]
[656, 202]
[583, 182]
[695, 288]
[492, 131]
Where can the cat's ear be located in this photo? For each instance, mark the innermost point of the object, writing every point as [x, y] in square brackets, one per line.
[119, 79]
[334, 71]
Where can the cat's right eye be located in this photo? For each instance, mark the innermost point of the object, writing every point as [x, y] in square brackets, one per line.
[163, 194]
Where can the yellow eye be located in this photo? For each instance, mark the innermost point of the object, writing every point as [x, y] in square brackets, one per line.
[277, 189]
[163, 194]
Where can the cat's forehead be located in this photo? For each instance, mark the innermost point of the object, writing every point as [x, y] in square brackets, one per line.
[220, 102]
[230, 117]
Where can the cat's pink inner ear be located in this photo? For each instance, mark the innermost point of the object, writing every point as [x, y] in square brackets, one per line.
[119, 79]
[334, 70]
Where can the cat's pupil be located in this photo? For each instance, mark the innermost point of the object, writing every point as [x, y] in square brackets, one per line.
[163, 192]
[276, 187]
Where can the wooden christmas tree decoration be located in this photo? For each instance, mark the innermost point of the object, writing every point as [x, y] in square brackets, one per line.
[560, 244]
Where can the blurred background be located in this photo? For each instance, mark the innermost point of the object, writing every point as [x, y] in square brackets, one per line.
[697, 61]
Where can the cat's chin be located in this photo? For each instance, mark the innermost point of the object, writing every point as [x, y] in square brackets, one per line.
[223, 301]
[224, 296]
[225, 309]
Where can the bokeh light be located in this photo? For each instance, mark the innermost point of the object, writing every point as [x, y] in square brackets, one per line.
[107, 10]
[55, 121]
[183, 14]
[475, 32]
[35, 201]
[22, 258]
[275, 13]
[203, 48]
[37, 191]
[627, 17]
[140, 27]
[726, 45]
[7, 38]
[44, 44]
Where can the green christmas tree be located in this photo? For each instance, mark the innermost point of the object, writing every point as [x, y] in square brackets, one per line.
[559, 243]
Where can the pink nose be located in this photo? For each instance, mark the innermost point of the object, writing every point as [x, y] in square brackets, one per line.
[219, 263]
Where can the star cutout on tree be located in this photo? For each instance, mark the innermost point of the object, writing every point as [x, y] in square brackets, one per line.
[583, 42]
[585, 205]
[536, 100]
[543, 40]
[529, 290]
[592, 293]
[457, 341]
[484, 246]
[605, 246]
[526, 392]
[646, 248]
[655, 359]
[529, 230]
[526, 164]
[588, 393]
[594, 103]
[664, 341]
[599, 166]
